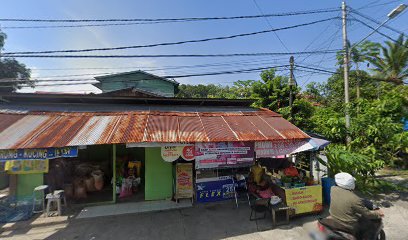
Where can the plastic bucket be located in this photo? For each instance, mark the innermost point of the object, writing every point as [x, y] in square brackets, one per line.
[327, 183]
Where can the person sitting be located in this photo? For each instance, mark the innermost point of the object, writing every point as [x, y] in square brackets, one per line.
[291, 171]
[349, 209]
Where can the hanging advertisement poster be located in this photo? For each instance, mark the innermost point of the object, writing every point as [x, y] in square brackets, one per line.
[26, 166]
[38, 153]
[305, 199]
[213, 155]
[172, 153]
[215, 189]
[281, 147]
[184, 180]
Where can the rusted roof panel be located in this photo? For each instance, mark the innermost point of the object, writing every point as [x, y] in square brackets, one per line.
[243, 128]
[285, 128]
[57, 129]
[131, 129]
[161, 129]
[7, 119]
[217, 129]
[268, 131]
[93, 131]
[191, 130]
[20, 130]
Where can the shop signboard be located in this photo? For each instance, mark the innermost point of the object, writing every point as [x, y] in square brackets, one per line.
[172, 153]
[26, 166]
[213, 155]
[38, 153]
[215, 189]
[184, 180]
[305, 199]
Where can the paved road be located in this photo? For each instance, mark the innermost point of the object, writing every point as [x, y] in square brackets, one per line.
[216, 221]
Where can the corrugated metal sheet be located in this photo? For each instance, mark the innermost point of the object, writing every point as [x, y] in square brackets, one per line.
[58, 129]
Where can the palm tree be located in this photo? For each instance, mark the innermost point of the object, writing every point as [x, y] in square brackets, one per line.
[392, 66]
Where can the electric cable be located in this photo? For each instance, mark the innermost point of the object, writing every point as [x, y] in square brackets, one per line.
[172, 55]
[169, 43]
[324, 10]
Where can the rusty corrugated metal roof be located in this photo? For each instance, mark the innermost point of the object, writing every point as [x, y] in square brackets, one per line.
[35, 129]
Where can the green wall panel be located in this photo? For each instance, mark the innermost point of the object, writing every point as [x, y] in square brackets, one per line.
[138, 80]
[159, 176]
[27, 182]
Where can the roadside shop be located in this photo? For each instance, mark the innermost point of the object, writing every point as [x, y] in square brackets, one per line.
[122, 149]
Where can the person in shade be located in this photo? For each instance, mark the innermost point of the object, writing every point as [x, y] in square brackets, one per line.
[349, 209]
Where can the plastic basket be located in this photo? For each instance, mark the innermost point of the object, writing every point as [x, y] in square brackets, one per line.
[16, 209]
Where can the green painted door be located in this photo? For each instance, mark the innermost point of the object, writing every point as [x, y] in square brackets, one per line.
[159, 176]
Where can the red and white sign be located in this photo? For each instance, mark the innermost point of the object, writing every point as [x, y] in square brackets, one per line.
[172, 153]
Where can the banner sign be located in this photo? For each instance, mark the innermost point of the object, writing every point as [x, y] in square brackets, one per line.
[213, 155]
[38, 154]
[281, 147]
[26, 166]
[215, 189]
[305, 199]
[172, 153]
[184, 180]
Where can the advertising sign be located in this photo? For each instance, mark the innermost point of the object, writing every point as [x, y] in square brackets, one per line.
[38, 153]
[213, 155]
[305, 199]
[184, 180]
[215, 189]
[26, 166]
[172, 153]
[282, 147]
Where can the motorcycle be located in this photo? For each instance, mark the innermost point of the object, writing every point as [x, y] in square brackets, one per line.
[331, 229]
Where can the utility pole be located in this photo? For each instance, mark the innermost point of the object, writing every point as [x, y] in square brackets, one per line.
[346, 71]
[291, 84]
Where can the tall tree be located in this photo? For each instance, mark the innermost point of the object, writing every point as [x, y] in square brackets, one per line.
[12, 72]
[272, 91]
[392, 65]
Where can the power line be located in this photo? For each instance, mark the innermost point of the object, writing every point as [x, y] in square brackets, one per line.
[270, 25]
[377, 31]
[173, 55]
[170, 43]
[375, 21]
[174, 76]
[325, 10]
[170, 67]
[377, 5]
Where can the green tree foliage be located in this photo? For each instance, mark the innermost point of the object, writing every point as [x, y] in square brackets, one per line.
[302, 111]
[272, 91]
[11, 69]
[392, 65]
[202, 91]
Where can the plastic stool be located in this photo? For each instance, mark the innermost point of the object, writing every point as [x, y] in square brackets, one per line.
[61, 195]
[40, 189]
[51, 198]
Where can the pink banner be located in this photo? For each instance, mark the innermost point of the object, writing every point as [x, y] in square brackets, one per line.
[213, 155]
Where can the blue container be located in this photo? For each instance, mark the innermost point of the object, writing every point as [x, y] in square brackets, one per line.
[327, 183]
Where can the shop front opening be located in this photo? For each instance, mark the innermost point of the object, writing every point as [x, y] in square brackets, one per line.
[130, 174]
[86, 178]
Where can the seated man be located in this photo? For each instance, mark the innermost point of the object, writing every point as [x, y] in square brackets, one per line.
[349, 210]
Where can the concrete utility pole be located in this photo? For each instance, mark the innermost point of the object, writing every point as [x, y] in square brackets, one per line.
[291, 84]
[346, 71]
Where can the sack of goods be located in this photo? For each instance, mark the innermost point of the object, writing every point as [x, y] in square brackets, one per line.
[98, 177]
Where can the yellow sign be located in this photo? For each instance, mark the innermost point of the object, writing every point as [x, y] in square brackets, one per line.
[305, 199]
[184, 180]
[26, 166]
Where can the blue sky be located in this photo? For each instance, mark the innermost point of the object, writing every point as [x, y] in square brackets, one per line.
[321, 36]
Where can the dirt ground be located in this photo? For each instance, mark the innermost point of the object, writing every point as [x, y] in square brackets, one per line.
[210, 221]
